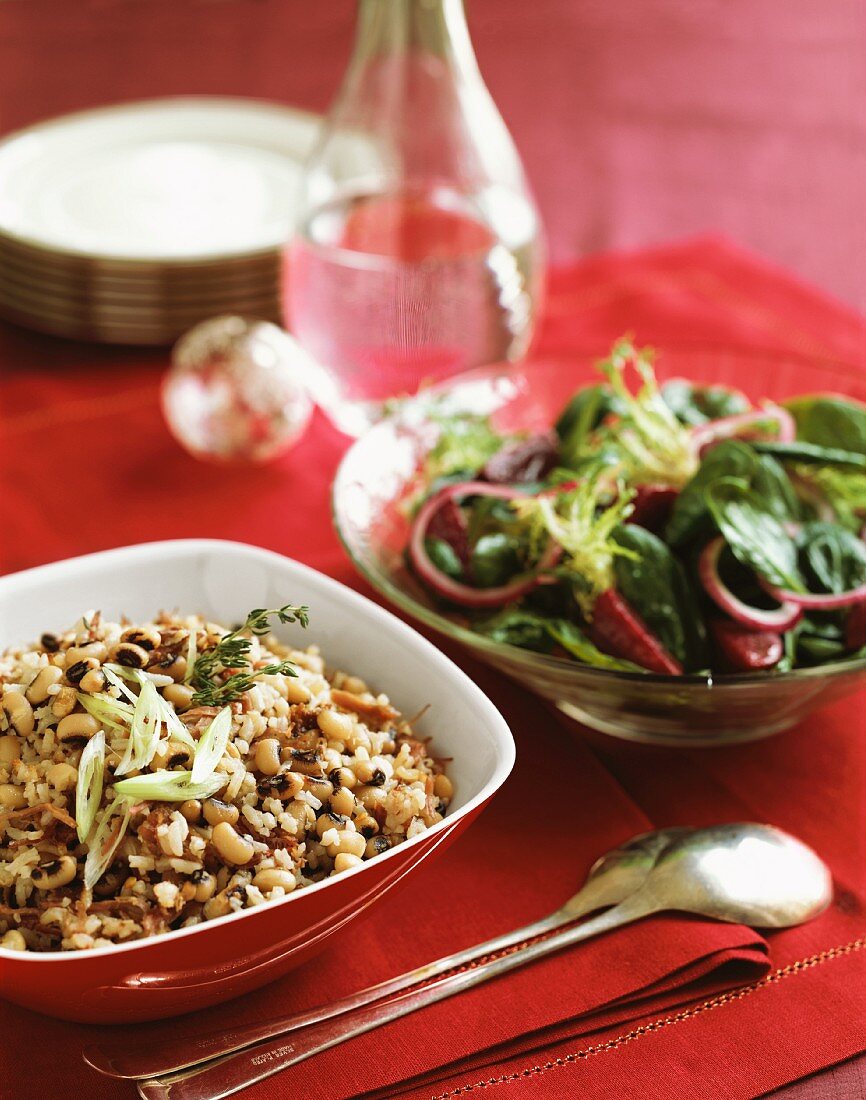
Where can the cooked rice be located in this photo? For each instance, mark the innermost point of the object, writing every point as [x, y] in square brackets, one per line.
[390, 789]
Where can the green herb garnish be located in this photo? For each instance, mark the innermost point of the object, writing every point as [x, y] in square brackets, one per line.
[232, 651]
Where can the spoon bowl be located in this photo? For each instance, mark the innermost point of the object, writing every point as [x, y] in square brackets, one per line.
[746, 873]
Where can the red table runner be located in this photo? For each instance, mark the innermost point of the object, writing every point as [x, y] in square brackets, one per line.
[87, 464]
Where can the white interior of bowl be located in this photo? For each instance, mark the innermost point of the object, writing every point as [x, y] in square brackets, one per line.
[223, 581]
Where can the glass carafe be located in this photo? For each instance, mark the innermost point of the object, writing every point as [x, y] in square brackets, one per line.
[418, 250]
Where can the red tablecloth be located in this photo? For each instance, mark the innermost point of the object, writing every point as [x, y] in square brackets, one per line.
[87, 464]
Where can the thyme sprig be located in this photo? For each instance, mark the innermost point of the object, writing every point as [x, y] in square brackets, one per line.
[232, 651]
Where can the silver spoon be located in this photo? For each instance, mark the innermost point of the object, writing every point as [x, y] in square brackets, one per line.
[611, 879]
[743, 873]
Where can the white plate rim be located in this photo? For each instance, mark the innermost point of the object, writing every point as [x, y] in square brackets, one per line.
[168, 103]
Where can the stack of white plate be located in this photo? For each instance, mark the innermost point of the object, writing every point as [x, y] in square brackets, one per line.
[130, 224]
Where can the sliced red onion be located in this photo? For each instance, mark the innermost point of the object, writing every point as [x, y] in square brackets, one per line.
[733, 427]
[778, 619]
[465, 594]
[815, 601]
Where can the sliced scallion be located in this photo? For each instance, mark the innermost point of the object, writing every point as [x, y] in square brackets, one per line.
[108, 711]
[144, 731]
[212, 745]
[176, 729]
[166, 786]
[88, 789]
[191, 653]
[116, 674]
[104, 841]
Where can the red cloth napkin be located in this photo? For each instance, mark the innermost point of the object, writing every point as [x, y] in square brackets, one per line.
[88, 464]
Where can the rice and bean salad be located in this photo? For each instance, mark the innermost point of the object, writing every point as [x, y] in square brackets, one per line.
[155, 775]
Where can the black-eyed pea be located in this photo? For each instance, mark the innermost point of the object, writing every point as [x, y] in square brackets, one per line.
[267, 756]
[92, 681]
[13, 940]
[217, 812]
[130, 655]
[64, 702]
[204, 885]
[187, 891]
[191, 809]
[345, 861]
[46, 677]
[179, 695]
[217, 906]
[350, 844]
[343, 801]
[10, 750]
[443, 788]
[336, 725]
[354, 684]
[146, 637]
[296, 691]
[323, 789]
[50, 876]
[327, 821]
[76, 672]
[343, 777]
[270, 877]
[366, 824]
[62, 777]
[96, 651]
[176, 670]
[11, 797]
[376, 845]
[75, 727]
[19, 711]
[231, 846]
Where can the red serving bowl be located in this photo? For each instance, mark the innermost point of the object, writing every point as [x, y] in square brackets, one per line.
[196, 967]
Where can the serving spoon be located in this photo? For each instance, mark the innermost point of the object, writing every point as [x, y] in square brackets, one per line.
[612, 878]
[743, 873]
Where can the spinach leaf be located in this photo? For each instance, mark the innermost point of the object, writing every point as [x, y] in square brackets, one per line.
[691, 516]
[731, 459]
[812, 649]
[773, 485]
[515, 627]
[495, 558]
[693, 405]
[753, 533]
[580, 417]
[832, 558]
[830, 422]
[442, 554]
[812, 452]
[583, 413]
[655, 584]
[575, 642]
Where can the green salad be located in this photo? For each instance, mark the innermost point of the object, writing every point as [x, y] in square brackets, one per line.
[672, 528]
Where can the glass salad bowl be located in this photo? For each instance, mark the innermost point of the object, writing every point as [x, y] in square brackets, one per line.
[379, 478]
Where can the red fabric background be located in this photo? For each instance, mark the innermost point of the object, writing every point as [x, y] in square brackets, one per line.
[639, 121]
[87, 463]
